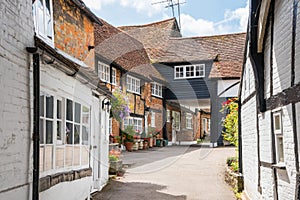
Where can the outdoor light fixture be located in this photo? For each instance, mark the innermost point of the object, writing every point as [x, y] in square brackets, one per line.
[106, 103]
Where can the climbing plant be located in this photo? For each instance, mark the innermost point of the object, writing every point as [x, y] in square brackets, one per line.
[230, 122]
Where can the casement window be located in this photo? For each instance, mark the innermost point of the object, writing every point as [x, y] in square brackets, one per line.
[103, 72]
[114, 76]
[189, 121]
[64, 133]
[156, 89]
[135, 122]
[43, 20]
[277, 120]
[189, 71]
[153, 119]
[168, 116]
[133, 84]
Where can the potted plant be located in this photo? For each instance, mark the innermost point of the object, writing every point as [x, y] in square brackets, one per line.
[115, 164]
[128, 137]
[116, 139]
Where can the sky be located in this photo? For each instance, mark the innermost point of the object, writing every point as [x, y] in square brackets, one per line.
[198, 17]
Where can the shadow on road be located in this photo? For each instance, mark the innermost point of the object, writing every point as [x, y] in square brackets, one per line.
[117, 190]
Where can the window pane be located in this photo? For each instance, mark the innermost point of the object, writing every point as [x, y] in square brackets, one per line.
[41, 23]
[48, 20]
[69, 133]
[277, 122]
[42, 105]
[58, 114]
[49, 132]
[77, 112]
[85, 135]
[42, 131]
[59, 130]
[76, 134]
[69, 110]
[49, 107]
[85, 115]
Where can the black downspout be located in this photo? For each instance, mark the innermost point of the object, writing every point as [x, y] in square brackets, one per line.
[36, 125]
[165, 134]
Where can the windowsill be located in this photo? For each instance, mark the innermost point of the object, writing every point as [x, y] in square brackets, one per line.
[180, 78]
[133, 92]
[157, 96]
[45, 39]
[280, 165]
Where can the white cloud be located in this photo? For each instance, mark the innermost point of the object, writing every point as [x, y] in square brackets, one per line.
[97, 4]
[192, 26]
[141, 6]
[234, 21]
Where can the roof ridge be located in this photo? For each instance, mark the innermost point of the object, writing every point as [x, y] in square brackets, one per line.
[207, 36]
[149, 24]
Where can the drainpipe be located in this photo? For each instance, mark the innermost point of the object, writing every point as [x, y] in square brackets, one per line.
[36, 125]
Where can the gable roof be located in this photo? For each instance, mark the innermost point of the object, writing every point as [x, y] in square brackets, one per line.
[164, 44]
[124, 50]
[225, 50]
[154, 36]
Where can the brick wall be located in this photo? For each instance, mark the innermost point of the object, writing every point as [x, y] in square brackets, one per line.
[16, 33]
[73, 31]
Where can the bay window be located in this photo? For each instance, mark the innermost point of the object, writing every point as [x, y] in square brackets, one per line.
[135, 122]
[64, 133]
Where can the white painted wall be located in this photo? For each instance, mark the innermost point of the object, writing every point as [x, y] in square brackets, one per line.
[16, 34]
[224, 84]
[75, 190]
[281, 80]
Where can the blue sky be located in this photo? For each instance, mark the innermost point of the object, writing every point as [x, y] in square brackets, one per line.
[198, 17]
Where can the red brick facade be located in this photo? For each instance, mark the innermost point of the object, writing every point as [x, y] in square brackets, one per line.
[74, 31]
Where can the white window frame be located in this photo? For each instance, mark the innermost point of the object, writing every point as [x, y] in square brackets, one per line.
[189, 71]
[153, 119]
[113, 76]
[189, 121]
[135, 122]
[176, 118]
[36, 20]
[104, 72]
[168, 115]
[156, 89]
[133, 84]
[277, 126]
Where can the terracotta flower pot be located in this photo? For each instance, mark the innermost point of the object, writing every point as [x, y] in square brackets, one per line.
[128, 146]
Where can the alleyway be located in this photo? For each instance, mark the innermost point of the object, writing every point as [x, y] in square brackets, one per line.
[177, 172]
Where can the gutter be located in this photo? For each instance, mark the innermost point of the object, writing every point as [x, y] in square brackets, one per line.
[36, 122]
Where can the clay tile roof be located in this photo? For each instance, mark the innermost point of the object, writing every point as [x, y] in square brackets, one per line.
[229, 50]
[163, 43]
[154, 36]
[226, 51]
[122, 49]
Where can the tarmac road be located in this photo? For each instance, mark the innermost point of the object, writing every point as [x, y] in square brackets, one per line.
[167, 173]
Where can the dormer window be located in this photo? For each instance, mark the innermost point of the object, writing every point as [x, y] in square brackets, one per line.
[43, 20]
[189, 71]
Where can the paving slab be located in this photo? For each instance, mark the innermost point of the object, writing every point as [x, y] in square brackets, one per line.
[175, 172]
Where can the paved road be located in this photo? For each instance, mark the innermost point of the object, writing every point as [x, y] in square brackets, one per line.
[177, 172]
